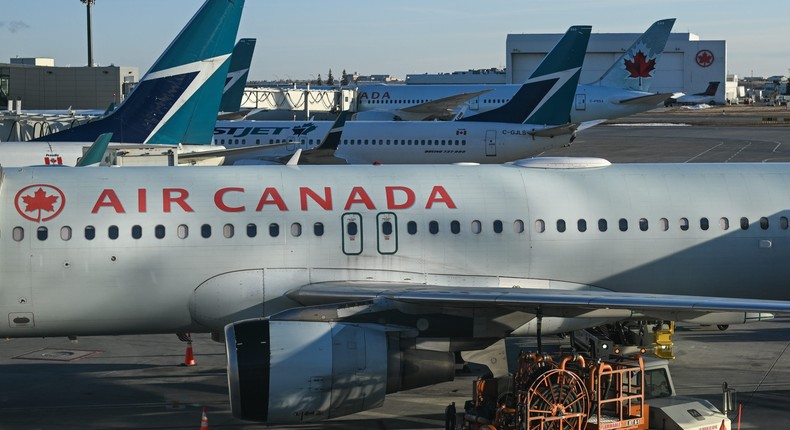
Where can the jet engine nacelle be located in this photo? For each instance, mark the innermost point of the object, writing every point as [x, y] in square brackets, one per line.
[292, 371]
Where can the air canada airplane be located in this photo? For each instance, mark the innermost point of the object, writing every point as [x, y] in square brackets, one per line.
[338, 284]
[622, 90]
[175, 103]
[707, 96]
[535, 119]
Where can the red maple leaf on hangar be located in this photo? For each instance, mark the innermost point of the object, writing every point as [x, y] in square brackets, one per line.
[640, 68]
[40, 201]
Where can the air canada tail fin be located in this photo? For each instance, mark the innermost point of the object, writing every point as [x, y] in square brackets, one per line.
[178, 98]
[239, 69]
[711, 90]
[546, 97]
[634, 69]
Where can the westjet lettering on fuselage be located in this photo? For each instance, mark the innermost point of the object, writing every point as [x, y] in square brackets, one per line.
[239, 199]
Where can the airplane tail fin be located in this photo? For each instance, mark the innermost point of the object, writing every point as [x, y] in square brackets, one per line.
[634, 69]
[239, 69]
[178, 98]
[711, 90]
[546, 97]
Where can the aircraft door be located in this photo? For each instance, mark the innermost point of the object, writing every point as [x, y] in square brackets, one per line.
[352, 233]
[387, 231]
[490, 143]
[581, 101]
[474, 104]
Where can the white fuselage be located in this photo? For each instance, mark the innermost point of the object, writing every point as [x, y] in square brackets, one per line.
[392, 142]
[591, 103]
[163, 250]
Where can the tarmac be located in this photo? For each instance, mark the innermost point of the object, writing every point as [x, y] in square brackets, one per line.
[137, 382]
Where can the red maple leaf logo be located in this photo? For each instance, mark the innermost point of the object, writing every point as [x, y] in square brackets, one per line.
[640, 68]
[704, 58]
[40, 201]
[46, 202]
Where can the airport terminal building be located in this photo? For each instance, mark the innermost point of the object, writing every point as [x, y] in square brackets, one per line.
[39, 84]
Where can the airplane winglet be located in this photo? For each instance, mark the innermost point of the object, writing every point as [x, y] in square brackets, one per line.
[332, 139]
[95, 153]
[294, 160]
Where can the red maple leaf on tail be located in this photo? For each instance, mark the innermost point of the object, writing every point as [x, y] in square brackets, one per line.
[40, 201]
[640, 68]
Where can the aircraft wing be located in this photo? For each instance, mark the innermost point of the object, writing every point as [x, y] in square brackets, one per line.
[569, 300]
[650, 99]
[444, 106]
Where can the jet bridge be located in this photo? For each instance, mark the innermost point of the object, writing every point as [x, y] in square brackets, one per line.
[297, 100]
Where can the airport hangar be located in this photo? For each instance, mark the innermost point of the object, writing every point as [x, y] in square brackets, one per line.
[687, 65]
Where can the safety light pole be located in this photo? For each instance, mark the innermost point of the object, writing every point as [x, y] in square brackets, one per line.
[89, 3]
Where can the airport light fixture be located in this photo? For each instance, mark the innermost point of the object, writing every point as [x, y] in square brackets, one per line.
[88, 4]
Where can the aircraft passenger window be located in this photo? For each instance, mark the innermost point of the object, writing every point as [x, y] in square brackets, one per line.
[477, 227]
[623, 224]
[411, 227]
[318, 229]
[409, 142]
[764, 223]
[422, 142]
[228, 230]
[684, 224]
[352, 229]
[456, 142]
[433, 227]
[257, 141]
[497, 226]
[704, 224]
[744, 223]
[724, 223]
[42, 233]
[252, 230]
[561, 225]
[137, 231]
[205, 231]
[388, 141]
[643, 224]
[602, 225]
[518, 226]
[296, 229]
[274, 229]
[455, 227]
[381, 141]
[783, 224]
[18, 234]
[540, 226]
[159, 231]
[581, 225]
[65, 233]
[182, 231]
[366, 141]
[663, 224]
[90, 232]
[112, 232]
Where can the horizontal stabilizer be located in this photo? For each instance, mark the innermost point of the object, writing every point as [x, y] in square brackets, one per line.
[652, 99]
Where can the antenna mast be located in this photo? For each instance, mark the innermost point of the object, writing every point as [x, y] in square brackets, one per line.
[89, 3]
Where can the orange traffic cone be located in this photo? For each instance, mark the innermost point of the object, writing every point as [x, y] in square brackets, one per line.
[189, 359]
[204, 420]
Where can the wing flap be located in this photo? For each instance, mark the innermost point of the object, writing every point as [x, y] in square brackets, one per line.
[548, 301]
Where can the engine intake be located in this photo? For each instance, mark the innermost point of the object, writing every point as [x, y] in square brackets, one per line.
[293, 371]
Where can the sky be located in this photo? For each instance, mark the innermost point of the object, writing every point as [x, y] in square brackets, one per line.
[300, 39]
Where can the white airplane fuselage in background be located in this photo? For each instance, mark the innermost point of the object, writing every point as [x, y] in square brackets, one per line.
[392, 142]
[591, 102]
[159, 250]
